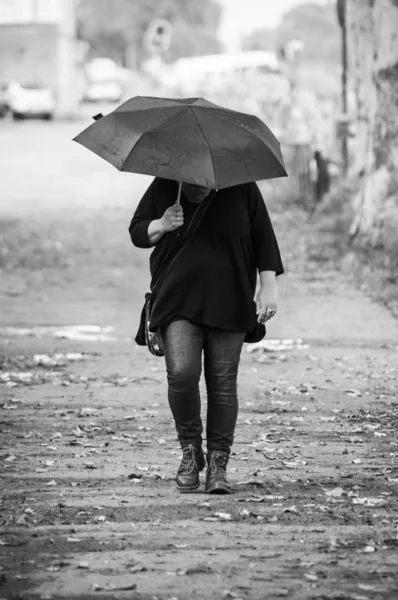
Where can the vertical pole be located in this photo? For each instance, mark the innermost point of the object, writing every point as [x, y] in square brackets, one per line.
[344, 139]
[35, 15]
[342, 18]
[67, 93]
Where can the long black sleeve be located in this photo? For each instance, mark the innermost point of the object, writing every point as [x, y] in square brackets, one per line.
[144, 214]
[213, 280]
[266, 250]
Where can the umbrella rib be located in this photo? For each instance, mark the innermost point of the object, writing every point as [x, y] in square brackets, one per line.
[247, 129]
[206, 140]
[248, 132]
[149, 132]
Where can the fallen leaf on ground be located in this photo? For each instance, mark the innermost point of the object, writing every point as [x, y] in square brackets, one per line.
[134, 476]
[10, 458]
[229, 594]
[87, 411]
[369, 549]
[371, 588]
[336, 492]
[199, 569]
[369, 501]
[126, 588]
[291, 509]
[78, 432]
[353, 392]
[260, 498]
[223, 515]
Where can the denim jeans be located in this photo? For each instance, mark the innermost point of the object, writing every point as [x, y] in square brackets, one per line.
[184, 344]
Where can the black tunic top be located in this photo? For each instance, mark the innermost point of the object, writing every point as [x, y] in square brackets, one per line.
[213, 280]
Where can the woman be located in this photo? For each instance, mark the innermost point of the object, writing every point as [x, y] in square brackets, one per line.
[205, 306]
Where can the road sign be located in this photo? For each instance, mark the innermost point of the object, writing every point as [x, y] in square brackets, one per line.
[157, 37]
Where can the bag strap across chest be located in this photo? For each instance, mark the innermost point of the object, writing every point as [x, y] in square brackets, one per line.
[186, 238]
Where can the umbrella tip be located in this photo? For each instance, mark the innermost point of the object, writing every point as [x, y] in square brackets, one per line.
[98, 117]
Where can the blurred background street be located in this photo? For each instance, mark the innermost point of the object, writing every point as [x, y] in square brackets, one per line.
[88, 452]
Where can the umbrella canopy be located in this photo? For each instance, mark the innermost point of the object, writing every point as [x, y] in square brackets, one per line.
[190, 140]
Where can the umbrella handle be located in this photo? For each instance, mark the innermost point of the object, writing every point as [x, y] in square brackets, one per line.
[178, 201]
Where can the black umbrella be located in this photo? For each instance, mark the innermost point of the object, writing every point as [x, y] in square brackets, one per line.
[189, 140]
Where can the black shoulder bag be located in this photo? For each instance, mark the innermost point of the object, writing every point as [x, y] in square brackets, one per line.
[144, 337]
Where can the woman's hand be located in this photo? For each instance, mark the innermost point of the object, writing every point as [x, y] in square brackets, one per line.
[266, 299]
[172, 219]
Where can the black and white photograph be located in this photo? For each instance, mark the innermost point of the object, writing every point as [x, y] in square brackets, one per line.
[198, 299]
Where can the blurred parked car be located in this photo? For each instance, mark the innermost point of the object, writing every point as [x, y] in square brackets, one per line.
[3, 98]
[28, 100]
[103, 91]
[103, 81]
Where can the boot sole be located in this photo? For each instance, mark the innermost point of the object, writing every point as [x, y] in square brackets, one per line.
[219, 490]
[186, 489]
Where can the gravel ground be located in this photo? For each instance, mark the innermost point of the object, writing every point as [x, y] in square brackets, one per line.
[88, 451]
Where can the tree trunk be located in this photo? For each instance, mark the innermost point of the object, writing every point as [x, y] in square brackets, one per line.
[373, 47]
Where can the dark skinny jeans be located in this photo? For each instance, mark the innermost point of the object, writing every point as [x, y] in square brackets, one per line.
[184, 344]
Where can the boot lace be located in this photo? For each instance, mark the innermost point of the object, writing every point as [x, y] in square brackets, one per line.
[188, 462]
[218, 463]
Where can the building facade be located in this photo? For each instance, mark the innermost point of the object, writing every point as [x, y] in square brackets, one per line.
[38, 44]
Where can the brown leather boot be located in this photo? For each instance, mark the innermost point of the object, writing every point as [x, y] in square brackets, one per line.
[216, 476]
[193, 461]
